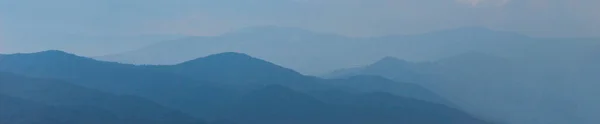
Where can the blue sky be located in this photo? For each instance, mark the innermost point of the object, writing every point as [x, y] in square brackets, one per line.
[63, 18]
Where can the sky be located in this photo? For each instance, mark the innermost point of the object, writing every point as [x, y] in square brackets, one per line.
[29, 25]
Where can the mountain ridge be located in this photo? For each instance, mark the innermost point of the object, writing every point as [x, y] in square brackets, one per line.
[57, 93]
[211, 88]
[319, 53]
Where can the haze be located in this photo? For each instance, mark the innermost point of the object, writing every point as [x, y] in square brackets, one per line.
[299, 61]
[24, 23]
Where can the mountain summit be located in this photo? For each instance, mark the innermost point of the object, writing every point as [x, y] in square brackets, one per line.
[233, 67]
[48, 54]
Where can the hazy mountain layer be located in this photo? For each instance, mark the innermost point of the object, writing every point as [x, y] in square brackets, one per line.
[517, 90]
[51, 101]
[238, 88]
[317, 53]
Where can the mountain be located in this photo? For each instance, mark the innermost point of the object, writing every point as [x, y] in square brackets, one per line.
[497, 88]
[175, 91]
[275, 104]
[241, 69]
[297, 43]
[389, 67]
[370, 83]
[83, 44]
[279, 104]
[318, 53]
[106, 76]
[19, 111]
[235, 90]
[233, 67]
[470, 63]
[95, 104]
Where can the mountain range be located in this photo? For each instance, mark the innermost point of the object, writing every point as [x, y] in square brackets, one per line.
[523, 91]
[221, 88]
[445, 76]
[316, 53]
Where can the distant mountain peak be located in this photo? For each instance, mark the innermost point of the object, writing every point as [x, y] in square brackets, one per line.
[229, 55]
[390, 61]
[48, 54]
[225, 57]
[57, 52]
[231, 67]
[54, 51]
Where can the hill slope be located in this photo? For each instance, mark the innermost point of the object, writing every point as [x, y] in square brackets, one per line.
[95, 104]
[222, 86]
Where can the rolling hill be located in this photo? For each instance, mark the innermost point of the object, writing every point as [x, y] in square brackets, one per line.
[239, 88]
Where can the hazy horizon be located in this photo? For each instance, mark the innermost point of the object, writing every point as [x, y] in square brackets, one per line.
[35, 25]
[299, 61]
